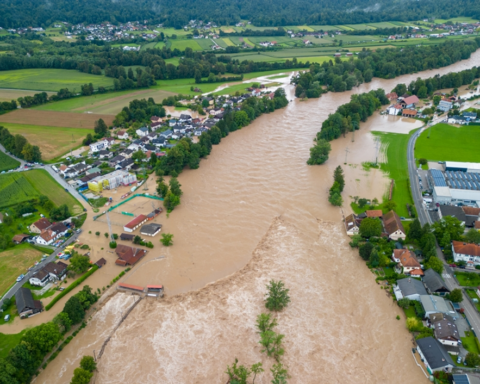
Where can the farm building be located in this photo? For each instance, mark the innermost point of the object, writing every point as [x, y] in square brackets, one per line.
[126, 237]
[111, 180]
[154, 213]
[128, 255]
[26, 306]
[135, 223]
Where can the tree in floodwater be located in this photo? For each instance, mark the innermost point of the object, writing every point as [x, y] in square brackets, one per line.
[277, 296]
[239, 374]
[319, 152]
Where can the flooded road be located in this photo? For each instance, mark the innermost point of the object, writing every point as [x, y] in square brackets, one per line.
[255, 195]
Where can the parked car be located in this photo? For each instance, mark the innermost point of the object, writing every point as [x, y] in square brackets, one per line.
[459, 359]
[20, 278]
[402, 218]
[6, 318]
[452, 265]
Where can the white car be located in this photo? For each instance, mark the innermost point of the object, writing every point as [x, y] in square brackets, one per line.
[20, 278]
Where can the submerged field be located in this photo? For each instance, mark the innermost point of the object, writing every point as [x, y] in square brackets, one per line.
[52, 141]
[447, 142]
[50, 79]
[16, 188]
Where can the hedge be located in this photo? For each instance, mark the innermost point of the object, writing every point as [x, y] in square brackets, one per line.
[75, 284]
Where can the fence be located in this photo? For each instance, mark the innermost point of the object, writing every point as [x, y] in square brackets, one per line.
[127, 200]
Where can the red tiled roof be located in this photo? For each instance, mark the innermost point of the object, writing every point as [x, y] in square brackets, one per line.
[128, 255]
[374, 213]
[392, 223]
[417, 272]
[42, 224]
[471, 211]
[19, 238]
[136, 221]
[466, 248]
[409, 112]
[130, 286]
[411, 100]
[477, 224]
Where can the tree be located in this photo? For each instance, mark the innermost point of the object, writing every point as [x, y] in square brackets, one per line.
[162, 187]
[473, 236]
[112, 244]
[415, 231]
[106, 235]
[339, 178]
[170, 201]
[436, 99]
[137, 239]
[175, 187]
[79, 264]
[139, 155]
[365, 250]
[7, 372]
[272, 343]
[319, 152]
[413, 324]
[280, 374]
[239, 374]
[100, 128]
[371, 226]
[374, 258]
[265, 322]
[404, 303]
[81, 376]
[63, 322]
[362, 202]
[88, 363]
[167, 239]
[435, 263]
[277, 296]
[472, 359]
[422, 161]
[97, 233]
[456, 295]
[60, 213]
[73, 308]
[42, 338]
[389, 206]
[448, 224]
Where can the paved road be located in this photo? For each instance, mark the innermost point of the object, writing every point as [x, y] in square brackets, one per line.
[30, 273]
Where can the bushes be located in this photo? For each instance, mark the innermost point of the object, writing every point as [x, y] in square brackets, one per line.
[119, 276]
[75, 284]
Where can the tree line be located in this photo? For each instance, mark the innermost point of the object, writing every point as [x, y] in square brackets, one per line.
[24, 360]
[346, 119]
[385, 63]
[19, 146]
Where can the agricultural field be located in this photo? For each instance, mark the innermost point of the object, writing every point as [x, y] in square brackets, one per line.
[358, 27]
[447, 142]
[395, 148]
[228, 41]
[14, 94]
[7, 162]
[55, 119]
[205, 44]
[182, 44]
[50, 79]
[14, 262]
[221, 43]
[52, 141]
[18, 187]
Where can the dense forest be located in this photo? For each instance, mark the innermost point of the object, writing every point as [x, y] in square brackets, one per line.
[177, 13]
[384, 63]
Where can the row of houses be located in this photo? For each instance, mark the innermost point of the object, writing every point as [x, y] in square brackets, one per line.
[392, 224]
[47, 232]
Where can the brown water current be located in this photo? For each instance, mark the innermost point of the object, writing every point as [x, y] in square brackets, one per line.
[252, 212]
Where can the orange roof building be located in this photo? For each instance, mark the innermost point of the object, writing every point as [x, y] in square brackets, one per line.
[374, 213]
[467, 252]
[407, 260]
[393, 226]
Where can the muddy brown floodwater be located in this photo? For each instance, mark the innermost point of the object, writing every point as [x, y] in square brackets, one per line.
[252, 212]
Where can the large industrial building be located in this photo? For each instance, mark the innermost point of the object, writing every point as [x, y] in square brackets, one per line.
[111, 181]
[459, 183]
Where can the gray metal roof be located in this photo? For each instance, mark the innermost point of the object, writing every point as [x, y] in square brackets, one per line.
[433, 281]
[434, 304]
[411, 286]
[24, 299]
[434, 353]
[460, 379]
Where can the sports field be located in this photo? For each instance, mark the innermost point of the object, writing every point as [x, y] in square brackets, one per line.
[17, 187]
[7, 162]
[55, 119]
[394, 146]
[50, 79]
[14, 262]
[447, 142]
[52, 141]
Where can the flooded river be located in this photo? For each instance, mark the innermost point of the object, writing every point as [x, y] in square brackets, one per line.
[252, 212]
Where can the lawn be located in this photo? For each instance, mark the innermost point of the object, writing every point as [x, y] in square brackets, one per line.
[14, 262]
[14, 94]
[449, 143]
[16, 188]
[7, 342]
[242, 88]
[469, 343]
[182, 44]
[468, 279]
[50, 79]
[395, 148]
[7, 162]
[473, 295]
[52, 141]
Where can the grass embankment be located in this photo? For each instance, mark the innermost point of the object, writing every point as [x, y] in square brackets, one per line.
[395, 147]
[40, 79]
[7, 162]
[16, 188]
[14, 262]
[52, 141]
[7, 342]
[449, 143]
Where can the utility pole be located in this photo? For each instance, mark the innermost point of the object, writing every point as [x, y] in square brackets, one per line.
[346, 153]
[377, 147]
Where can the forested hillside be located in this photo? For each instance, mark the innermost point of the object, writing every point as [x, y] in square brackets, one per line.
[23, 13]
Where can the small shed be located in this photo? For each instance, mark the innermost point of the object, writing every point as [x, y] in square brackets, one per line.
[100, 263]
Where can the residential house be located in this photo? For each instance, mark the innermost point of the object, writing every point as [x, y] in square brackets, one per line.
[352, 224]
[40, 225]
[374, 213]
[142, 132]
[122, 134]
[394, 109]
[50, 272]
[185, 117]
[128, 255]
[393, 226]
[110, 141]
[446, 332]
[436, 304]
[105, 154]
[155, 126]
[126, 164]
[152, 136]
[26, 306]
[127, 153]
[53, 233]
[100, 263]
[160, 142]
[472, 215]
[410, 288]
[127, 237]
[410, 101]
[167, 134]
[133, 147]
[444, 105]
[117, 159]
[451, 210]
[434, 355]
[434, 283]
[172, 122]
[75, 170]
[111, 181]
[392, 96]
[99, 145]
[407, 262]
[456, 119]
[467, 252]
[469, 115]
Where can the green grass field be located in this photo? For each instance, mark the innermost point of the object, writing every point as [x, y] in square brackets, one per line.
[50, 79]
[449, 143]
[7, 162]
[7, 342]
[16, 188]
[395, 147]
[52, 141]
[182, 44]
[468, 279]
